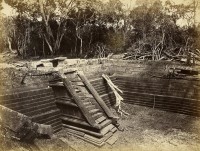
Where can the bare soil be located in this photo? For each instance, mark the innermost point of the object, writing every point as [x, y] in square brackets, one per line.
[150, 129]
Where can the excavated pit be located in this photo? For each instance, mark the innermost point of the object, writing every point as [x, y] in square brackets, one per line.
[145, 84]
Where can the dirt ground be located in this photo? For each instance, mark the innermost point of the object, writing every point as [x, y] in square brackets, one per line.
[150, 129]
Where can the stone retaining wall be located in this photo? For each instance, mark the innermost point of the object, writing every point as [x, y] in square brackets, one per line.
[95, 67]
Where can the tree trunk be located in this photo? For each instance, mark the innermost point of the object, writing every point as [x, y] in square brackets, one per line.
[81, 44]
[9, 45]
[49, 45]
[81, 47]
[58, 42]
[75, 47]
[43, 48]
[49, 35]
[90, 40]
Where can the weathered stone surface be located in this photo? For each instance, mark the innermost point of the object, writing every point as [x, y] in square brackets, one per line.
[24, 129]
[44, 130]
[12, 119]
[22, 126]
[27, 132]
[61, 58]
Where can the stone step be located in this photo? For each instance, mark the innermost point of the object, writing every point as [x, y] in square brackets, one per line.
[100, 119]
[48, 103]
[114, 129]
[94, 111]
[53, 120]
[107, 129]
[30, 103]
[105, 123]
[57, 128]
[56, 124]
[87, 103]
[19, 95]
[67, 103]
[86, 99]
[98, 141]
[77, 90]
[90, 107]
[97, 115]
[45, 115]
[112, 139]
[76, 121]
[80, 83]
[57, 84]
[50, 118]
[86, 131]
[40, 110]
[24, 99]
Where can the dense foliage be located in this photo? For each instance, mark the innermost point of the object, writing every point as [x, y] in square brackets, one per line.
[91, 28]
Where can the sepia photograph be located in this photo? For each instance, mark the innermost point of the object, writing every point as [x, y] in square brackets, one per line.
[99, 75]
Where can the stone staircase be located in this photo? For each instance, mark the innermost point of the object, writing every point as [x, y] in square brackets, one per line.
[82, 113]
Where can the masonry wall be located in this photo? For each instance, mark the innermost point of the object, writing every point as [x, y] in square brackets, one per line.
[144, 82]
[148, 84]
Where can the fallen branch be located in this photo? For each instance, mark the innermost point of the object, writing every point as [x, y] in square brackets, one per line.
[119, 99]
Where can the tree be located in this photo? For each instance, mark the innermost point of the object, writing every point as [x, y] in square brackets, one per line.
[47, 13]
[156, 28]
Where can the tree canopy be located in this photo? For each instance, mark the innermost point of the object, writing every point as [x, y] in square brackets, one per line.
[91, 28]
